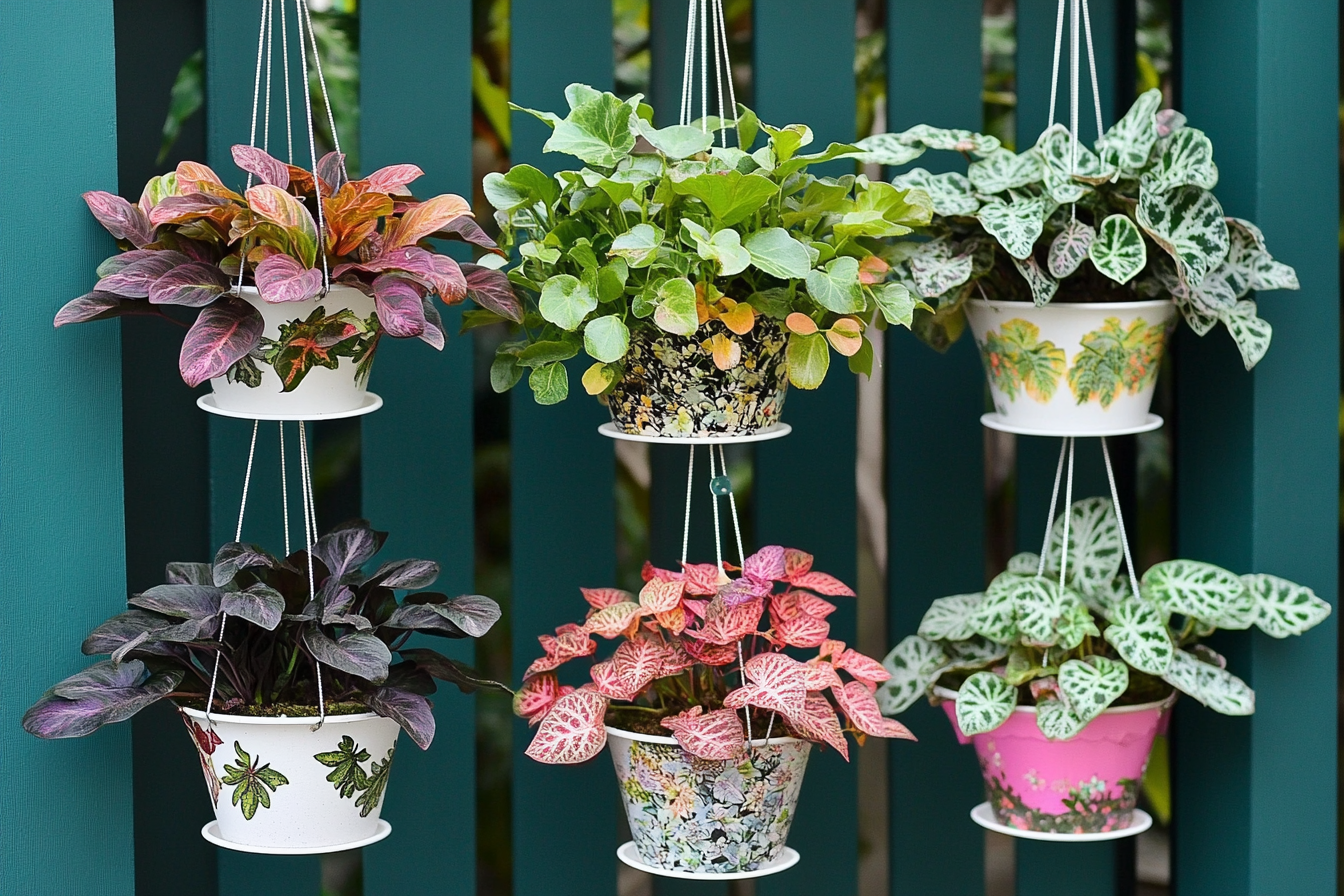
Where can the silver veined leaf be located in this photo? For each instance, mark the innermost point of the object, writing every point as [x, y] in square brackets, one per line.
[1118, 251]
[1024, 564]
[1056, 720]
[1199, 320]
[950, 139]
[973, 653]
[951, 192]
[950, 618]
[1075, 623]
[1202, 590]
[1284, 608]
[1092, 685]
[1105, 598]
[1188, 223]
[984, 702]
[1251, 332]
[1184, 159]
[1043, 286]
[1215, 687]
[935, 270]
[1038, 603]
[996, 617]
[1130, 140]
[1016, 225]
[888, 149]
[1095, 550]
[1139, 634]
[1068, 159]
[1004, 170]
[914, 664]
[1069, 247]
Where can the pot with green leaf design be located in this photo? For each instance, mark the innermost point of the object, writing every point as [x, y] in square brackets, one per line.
[1126, 233]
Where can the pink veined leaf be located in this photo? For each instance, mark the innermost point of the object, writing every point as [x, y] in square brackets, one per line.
[398, 304]
[675, 659]
[193, 285]
[702, 579]
[615, 620]
[572, 731]
[568, 642]
[608, 682]
[712, 654]
[135, 280]
[649, 571]
[434, 333]
[123, 220]
[181, 209]
[831, 648]
[464, 228]
[819, 723]
[822, 583]
[696, 608]
[778, 683]
[281, 278]
[535, 698]
[450, 284]
[262, 164]
[630, 670]
[492, 290]
[422, 219]
[393, 178]
[865, 669]
[191, 174]
[812, 605]
[223, 333]
[796, 562]
[801, 630]
[97, 306]
[743, 589]
[727, 625]
[822, 675]
[767, 563]
[658, 596]
[674, 620]
[714, 735]
[604, 597]
[860, 707]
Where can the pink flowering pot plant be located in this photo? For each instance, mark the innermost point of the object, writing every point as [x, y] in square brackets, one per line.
[1062, 687]
[710, 722]
[289, 292]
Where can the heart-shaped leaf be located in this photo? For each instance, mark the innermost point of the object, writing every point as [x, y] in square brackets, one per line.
[1070, 246]
[606, 338]
[572, 731]
[935, 270]
[359, 653]
[409, 710]
[996, 616]
[1211, 685]
[975, 653]
[715, 735]
[638, 245]
[616, 620]
[260, 605]
[1016, 224]
[860, 707]
[634, 665]
[1186, 158]
[1092, 685]
[951, 618]
[597, 131]
[1188, 223]
[675, 307]
[984, 702]
[1056, 720]
[914, 664]
[1095, 551]
[778, 254]
[1284, 608]
[1004, 170]
[1139, 634]
[1119, 251]
[1251, 333]
[837, 287]
[1202, 590]
[1129, 142]
[731, 196]
[537, 695]
[951, 193]
[566, 301]
[778, 684]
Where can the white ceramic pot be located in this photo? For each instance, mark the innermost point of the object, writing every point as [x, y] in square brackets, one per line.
[275, 783]
[705, 816]
[1072, 369]
[323, 390]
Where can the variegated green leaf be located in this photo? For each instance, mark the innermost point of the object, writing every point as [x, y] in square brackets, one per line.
[996, 617]
[1024, 564]
[1075, 623]
[888, 149]
[1042, 285]
[951, 618]
[1024, 664]
[1105, 598]
[914, 664]
[1199, 320]
[1069, 159]
[973, 653]
[1056, 720]
[1016, 225]
[1188, 223]
[1284, 608]
[934, 269]
[1004, 170]
[1093, 684]
[1184, 159]
[1139, 634]
[1038, 603]
[1129, 142]
[1251, 332]
[1095, 550]
[950, 139]
[951, 192]
[1216, 688]
[984, 702]
[1069, 248]
[1118, 251]
[1201, 590]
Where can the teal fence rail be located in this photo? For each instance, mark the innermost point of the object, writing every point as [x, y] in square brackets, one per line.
[107, 470]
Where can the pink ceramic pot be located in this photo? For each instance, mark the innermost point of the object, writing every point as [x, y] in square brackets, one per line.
[1085, 785]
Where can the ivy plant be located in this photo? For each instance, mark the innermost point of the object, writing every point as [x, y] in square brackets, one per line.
[1132, 217]
[1076, 648]
[660, 230]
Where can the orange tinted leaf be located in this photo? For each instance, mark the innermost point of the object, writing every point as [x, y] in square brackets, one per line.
[846, 336]
[740, 319]
[660, 596]
[872, 270]
[727, 352]
[800, 323]
[191, 174]
[421, 220]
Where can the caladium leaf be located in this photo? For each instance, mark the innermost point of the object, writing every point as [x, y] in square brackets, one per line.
[1284, 608]
[820, 724]
[860, 707]
[222, 335]
[1092, 685]
[996, 616]
[865, 669]
[715, 735]
[1119, 251]
[604, 597]
[1004, 170]
[409, 710]
[615, 620]
[799, 629]
[123, 220]
[951, 618]
[914, 664]
[259, 604]
[1129, 142]
[1211, 685]
[659, 596]
[1070, 246]
[1095, 549]
[1038, 605]
[637, 663]
[104, 693]
[984, 702]
[934, 269]
[258, 162]
[888, 149]
[951, 193]
[1251, 333]
[359, 653]
[536, 697]
[1202, 590]
[1185, 159]
[1042, 285]
[1074, 624]
[567, 643]
[778, 684]
[572, 731]
[1017, 225]
[1067, 159]
[1139, 634]
[726, 625]
[1188, 223]
[194, 284]
[1056, 719]
[822, 675]
[282, 279]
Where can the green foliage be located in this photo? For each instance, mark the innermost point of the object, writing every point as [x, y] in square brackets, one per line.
[1018, 361]
[252, 783]
[349, 777]
[1115, 360]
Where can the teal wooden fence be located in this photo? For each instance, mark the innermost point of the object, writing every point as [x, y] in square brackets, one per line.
[1256, 454]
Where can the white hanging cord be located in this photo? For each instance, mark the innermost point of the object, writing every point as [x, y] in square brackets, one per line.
[1092, 65]
[686, 523]
[310, 526]
[322, 83]
[299, 7]
[1050, 515]
[252, 133]
[687, 68]
[1054, 69]
[704, 67]
[718, 71]
[1073, 88]
[732, 504]
[270, 47]
[289, 115]
[1120, 519]
[247, 480]
[728, 67]
[707, 16]
[284, 486]
[1068, 512]
[714, 504]
[238, 536]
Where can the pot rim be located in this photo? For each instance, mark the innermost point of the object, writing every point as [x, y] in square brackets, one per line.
[1163, 704]
[659, 739]
[1076, 307]
[253, 291]
[281, 720]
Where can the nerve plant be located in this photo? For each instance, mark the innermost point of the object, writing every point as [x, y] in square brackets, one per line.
[1075, 650]
[663, 232]
[356, 628]
[1132, 218]
[186, 239]
[693, 662]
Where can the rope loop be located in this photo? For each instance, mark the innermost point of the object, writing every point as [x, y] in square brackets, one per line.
[707, 17]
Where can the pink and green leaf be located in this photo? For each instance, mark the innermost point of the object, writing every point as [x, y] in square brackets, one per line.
[123, 220]
[715, 735]
[822, 583]
[195, 284]
[615, 620]
[223, 333]
[280, 278]
[659, 596]
[261, 164]
[398, 304]
[572, 731]
[818, 722]
[426, 217]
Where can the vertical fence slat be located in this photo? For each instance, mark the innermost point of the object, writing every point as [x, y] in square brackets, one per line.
[815, 511]
[69, 806]
[564, 536]
[1257, 453]
[935, 491]
[417, 451]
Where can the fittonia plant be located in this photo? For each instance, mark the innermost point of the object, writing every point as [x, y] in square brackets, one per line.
[1076, 650]
[1137, 219]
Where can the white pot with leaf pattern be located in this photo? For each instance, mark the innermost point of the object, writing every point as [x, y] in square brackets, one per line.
[1072, 369]
[277, 785]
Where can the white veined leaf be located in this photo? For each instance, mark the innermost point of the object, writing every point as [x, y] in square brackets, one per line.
[1042, 285]
[1056, 720]
[1202, 590]
[1216, 688]
[996, 618]
[1184, 159]
[1004, 170]
[1105, 598]
[1092, 685]
[1095, 550]
[1129, 142]
[973, 653]
[1024, 564]
[934, 269]
[984, 702]
[1069, 248]
[888, 149]
[950, 139]
[951, 618]
[1038, 603]
[951, 192]
[1284, 608]
[1139, 634]
[1118, 251]
[1017, 225]
[1075, 623]
[1199, 320]
[1188, 223]
[1068, 159]
[914, 664]
[1251, 332]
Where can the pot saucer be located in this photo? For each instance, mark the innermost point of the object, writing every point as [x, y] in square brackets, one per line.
[983, 815]
[628, 854]
[371, 403]
[211, 833]
[773, 431]
[1000, 422]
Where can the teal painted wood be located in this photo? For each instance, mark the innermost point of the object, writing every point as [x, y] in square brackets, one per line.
[804, 485]
[935, 491]
[563, 507]
[1257, 454]
[1035, 48]
[68, 806]
[417, 450]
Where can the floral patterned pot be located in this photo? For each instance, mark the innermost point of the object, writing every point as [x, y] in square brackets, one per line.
[275, 782]
[706, 816]
[1085, 785]
[672, 388]
[322, 390]
[1072, 369]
